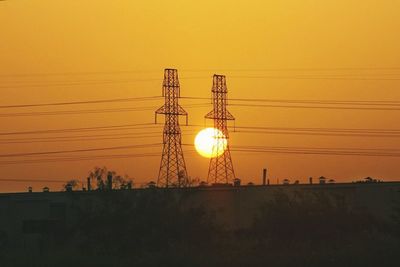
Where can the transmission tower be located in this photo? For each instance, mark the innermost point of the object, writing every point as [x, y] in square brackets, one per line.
[172, 168]
[221, 167]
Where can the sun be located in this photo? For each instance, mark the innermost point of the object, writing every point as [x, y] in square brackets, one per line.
[210, 143]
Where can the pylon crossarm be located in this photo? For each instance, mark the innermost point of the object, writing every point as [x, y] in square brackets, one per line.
[181, 111]
[161, 110]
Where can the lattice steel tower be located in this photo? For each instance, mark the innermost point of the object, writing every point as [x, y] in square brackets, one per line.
[172, 168]
[221, 167]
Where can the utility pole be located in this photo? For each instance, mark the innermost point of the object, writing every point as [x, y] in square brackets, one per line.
[172, 167]
[264, 176]
[221, 167]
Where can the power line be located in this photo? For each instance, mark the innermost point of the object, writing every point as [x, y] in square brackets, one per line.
[33, 180]
[77, 73]
[78, 158]
[85, 111]
[82, 158]
[238, 149]
[67, 139]
[77, 140]
[150, 98]
[353, 149]
[78, 136]
[82, 129]
[310, 152]
[314, 78]
[256, 129]
[315, 101]
[128, 99]
[282, 131]
[74, 83]
[321, 148]
[374, 152]
[134, 133]
[89, 82]
[77, 150]
[298, 69]
[157, 135]
[260, 129]
[295, 77]
[317, 107]
[321, 133]
[112, 72]
[118, 110]
[356, 130]
[322, 151]
[74, 112]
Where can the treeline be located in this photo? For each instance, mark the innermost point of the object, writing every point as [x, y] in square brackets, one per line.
[159, 229]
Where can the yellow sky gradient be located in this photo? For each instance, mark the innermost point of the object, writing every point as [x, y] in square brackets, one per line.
[90, 44]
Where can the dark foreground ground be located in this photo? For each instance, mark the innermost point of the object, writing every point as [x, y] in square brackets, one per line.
[159, 229]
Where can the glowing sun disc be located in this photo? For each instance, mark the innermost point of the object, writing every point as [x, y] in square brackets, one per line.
[210, 143]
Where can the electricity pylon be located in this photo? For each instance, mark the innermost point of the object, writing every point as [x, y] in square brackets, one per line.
[172, 168]
[221, 167]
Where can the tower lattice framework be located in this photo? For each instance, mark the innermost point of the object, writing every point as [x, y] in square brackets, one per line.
[221, 167]
[172, 168]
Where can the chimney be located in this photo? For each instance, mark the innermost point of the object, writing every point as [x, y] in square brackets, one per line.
[264, 176]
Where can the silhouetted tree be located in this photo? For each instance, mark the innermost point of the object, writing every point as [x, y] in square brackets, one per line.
[71, 185]
[100, 177]
[193, 182]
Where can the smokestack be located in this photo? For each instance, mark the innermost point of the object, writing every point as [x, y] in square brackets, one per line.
[310, 179]
[89, 186]
[264, 176]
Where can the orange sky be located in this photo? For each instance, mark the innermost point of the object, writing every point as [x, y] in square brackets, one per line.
[115, 49]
